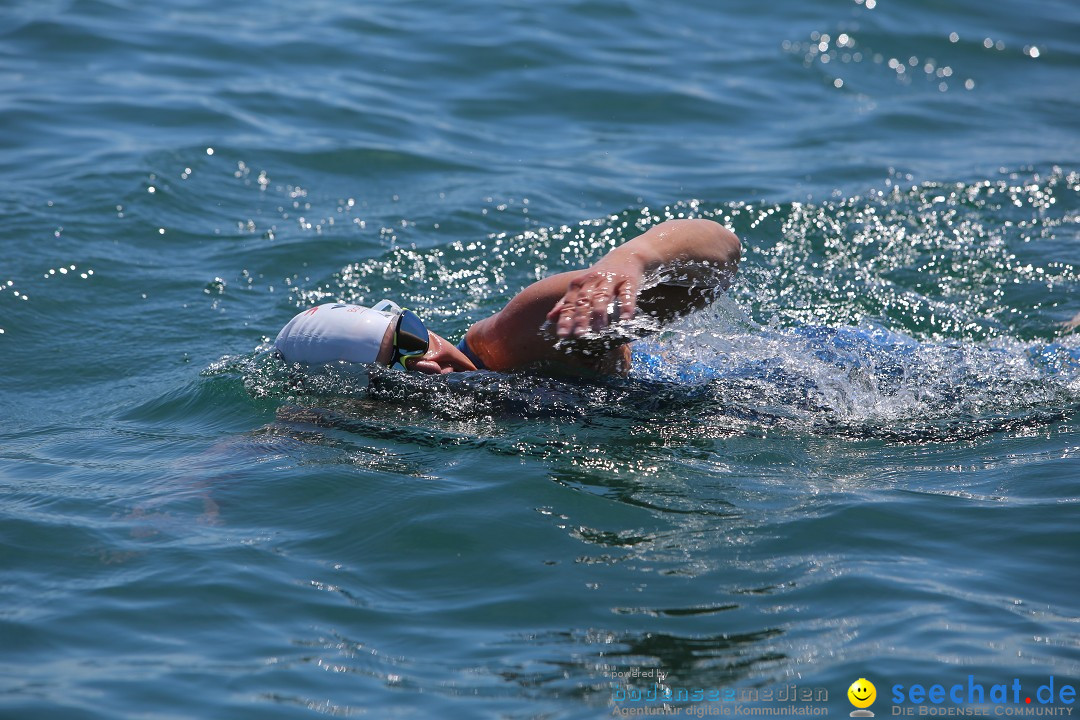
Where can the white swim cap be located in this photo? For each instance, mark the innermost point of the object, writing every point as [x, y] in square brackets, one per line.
[336, 331]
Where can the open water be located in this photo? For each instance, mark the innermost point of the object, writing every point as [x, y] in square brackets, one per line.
[861, 463]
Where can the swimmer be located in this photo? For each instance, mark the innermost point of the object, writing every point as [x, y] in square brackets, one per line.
[561, 324]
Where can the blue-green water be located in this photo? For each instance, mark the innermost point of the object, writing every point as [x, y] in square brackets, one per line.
[869, 468]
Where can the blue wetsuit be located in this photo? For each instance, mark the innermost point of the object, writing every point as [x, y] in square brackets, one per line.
[467, 351]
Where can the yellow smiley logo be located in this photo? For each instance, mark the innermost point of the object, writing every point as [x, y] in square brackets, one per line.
[862, 693]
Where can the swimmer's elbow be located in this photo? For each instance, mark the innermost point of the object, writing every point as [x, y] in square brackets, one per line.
[734, 249]
[726, 241]
[722, 253]
[719, 244]
[712, 240]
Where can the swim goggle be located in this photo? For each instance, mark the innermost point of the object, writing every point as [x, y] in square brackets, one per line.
[410, 335]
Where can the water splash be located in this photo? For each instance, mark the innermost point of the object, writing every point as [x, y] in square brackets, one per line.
[957, 261]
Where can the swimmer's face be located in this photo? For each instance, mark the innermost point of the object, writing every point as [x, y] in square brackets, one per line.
[442, 356]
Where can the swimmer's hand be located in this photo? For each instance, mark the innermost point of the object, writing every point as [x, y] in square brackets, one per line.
[606, 293]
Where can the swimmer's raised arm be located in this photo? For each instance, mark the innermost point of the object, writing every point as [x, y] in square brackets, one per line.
[696, 259]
